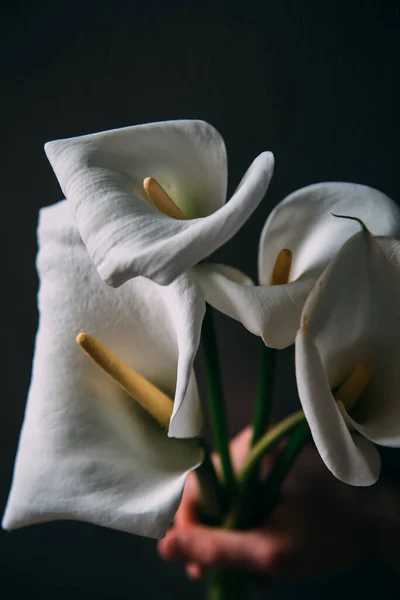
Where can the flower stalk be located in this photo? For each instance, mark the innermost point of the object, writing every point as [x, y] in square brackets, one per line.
[267, 442]
[212, 498]
[245, 479]
[263, 406]
[279, 276]
[224, 584]
[216, 402]
[269, 491]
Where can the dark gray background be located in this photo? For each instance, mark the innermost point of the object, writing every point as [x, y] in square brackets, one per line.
[315, 82]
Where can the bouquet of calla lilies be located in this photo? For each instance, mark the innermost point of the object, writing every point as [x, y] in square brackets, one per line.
[114, 422]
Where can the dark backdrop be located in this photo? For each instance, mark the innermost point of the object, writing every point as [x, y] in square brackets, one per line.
[315, 82]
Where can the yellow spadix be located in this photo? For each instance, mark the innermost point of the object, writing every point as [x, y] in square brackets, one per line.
[160, 199]
[153, 400]
[281, 270]
[351, 389]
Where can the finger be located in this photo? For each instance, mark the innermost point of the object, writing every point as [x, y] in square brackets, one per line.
[194, 571]
[188, 511]
[240, 447]
[212, 547]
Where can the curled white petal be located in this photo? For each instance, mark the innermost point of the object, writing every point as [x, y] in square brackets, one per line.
[351, 458]
[87, 451]
[377, 414]
[352, 316]
[102, 174]
[303, 223]
[271, 312]
[185, 306]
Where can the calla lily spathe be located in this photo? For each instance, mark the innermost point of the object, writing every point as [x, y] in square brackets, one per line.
[302, 223]
[87, 451]
[102, 176]
[351, 317]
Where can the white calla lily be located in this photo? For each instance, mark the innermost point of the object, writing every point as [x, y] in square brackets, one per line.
[104, 176]
[352, 317]
[302, 223]
[87, 450]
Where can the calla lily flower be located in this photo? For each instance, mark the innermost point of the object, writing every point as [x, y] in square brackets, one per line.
[150, 199]
[87, 450]
[351, 324]
[302, 232]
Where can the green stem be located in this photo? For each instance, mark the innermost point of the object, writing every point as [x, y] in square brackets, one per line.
[217, 408]
[269, 492]
[233, 519]
[211, 493]
[265, 391]
[261, 419]
[222, 583]
[269, 439]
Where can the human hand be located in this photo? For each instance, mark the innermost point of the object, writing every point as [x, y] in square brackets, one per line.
[319, 525]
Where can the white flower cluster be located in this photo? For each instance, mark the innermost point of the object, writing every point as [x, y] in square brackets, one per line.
[144, 205]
